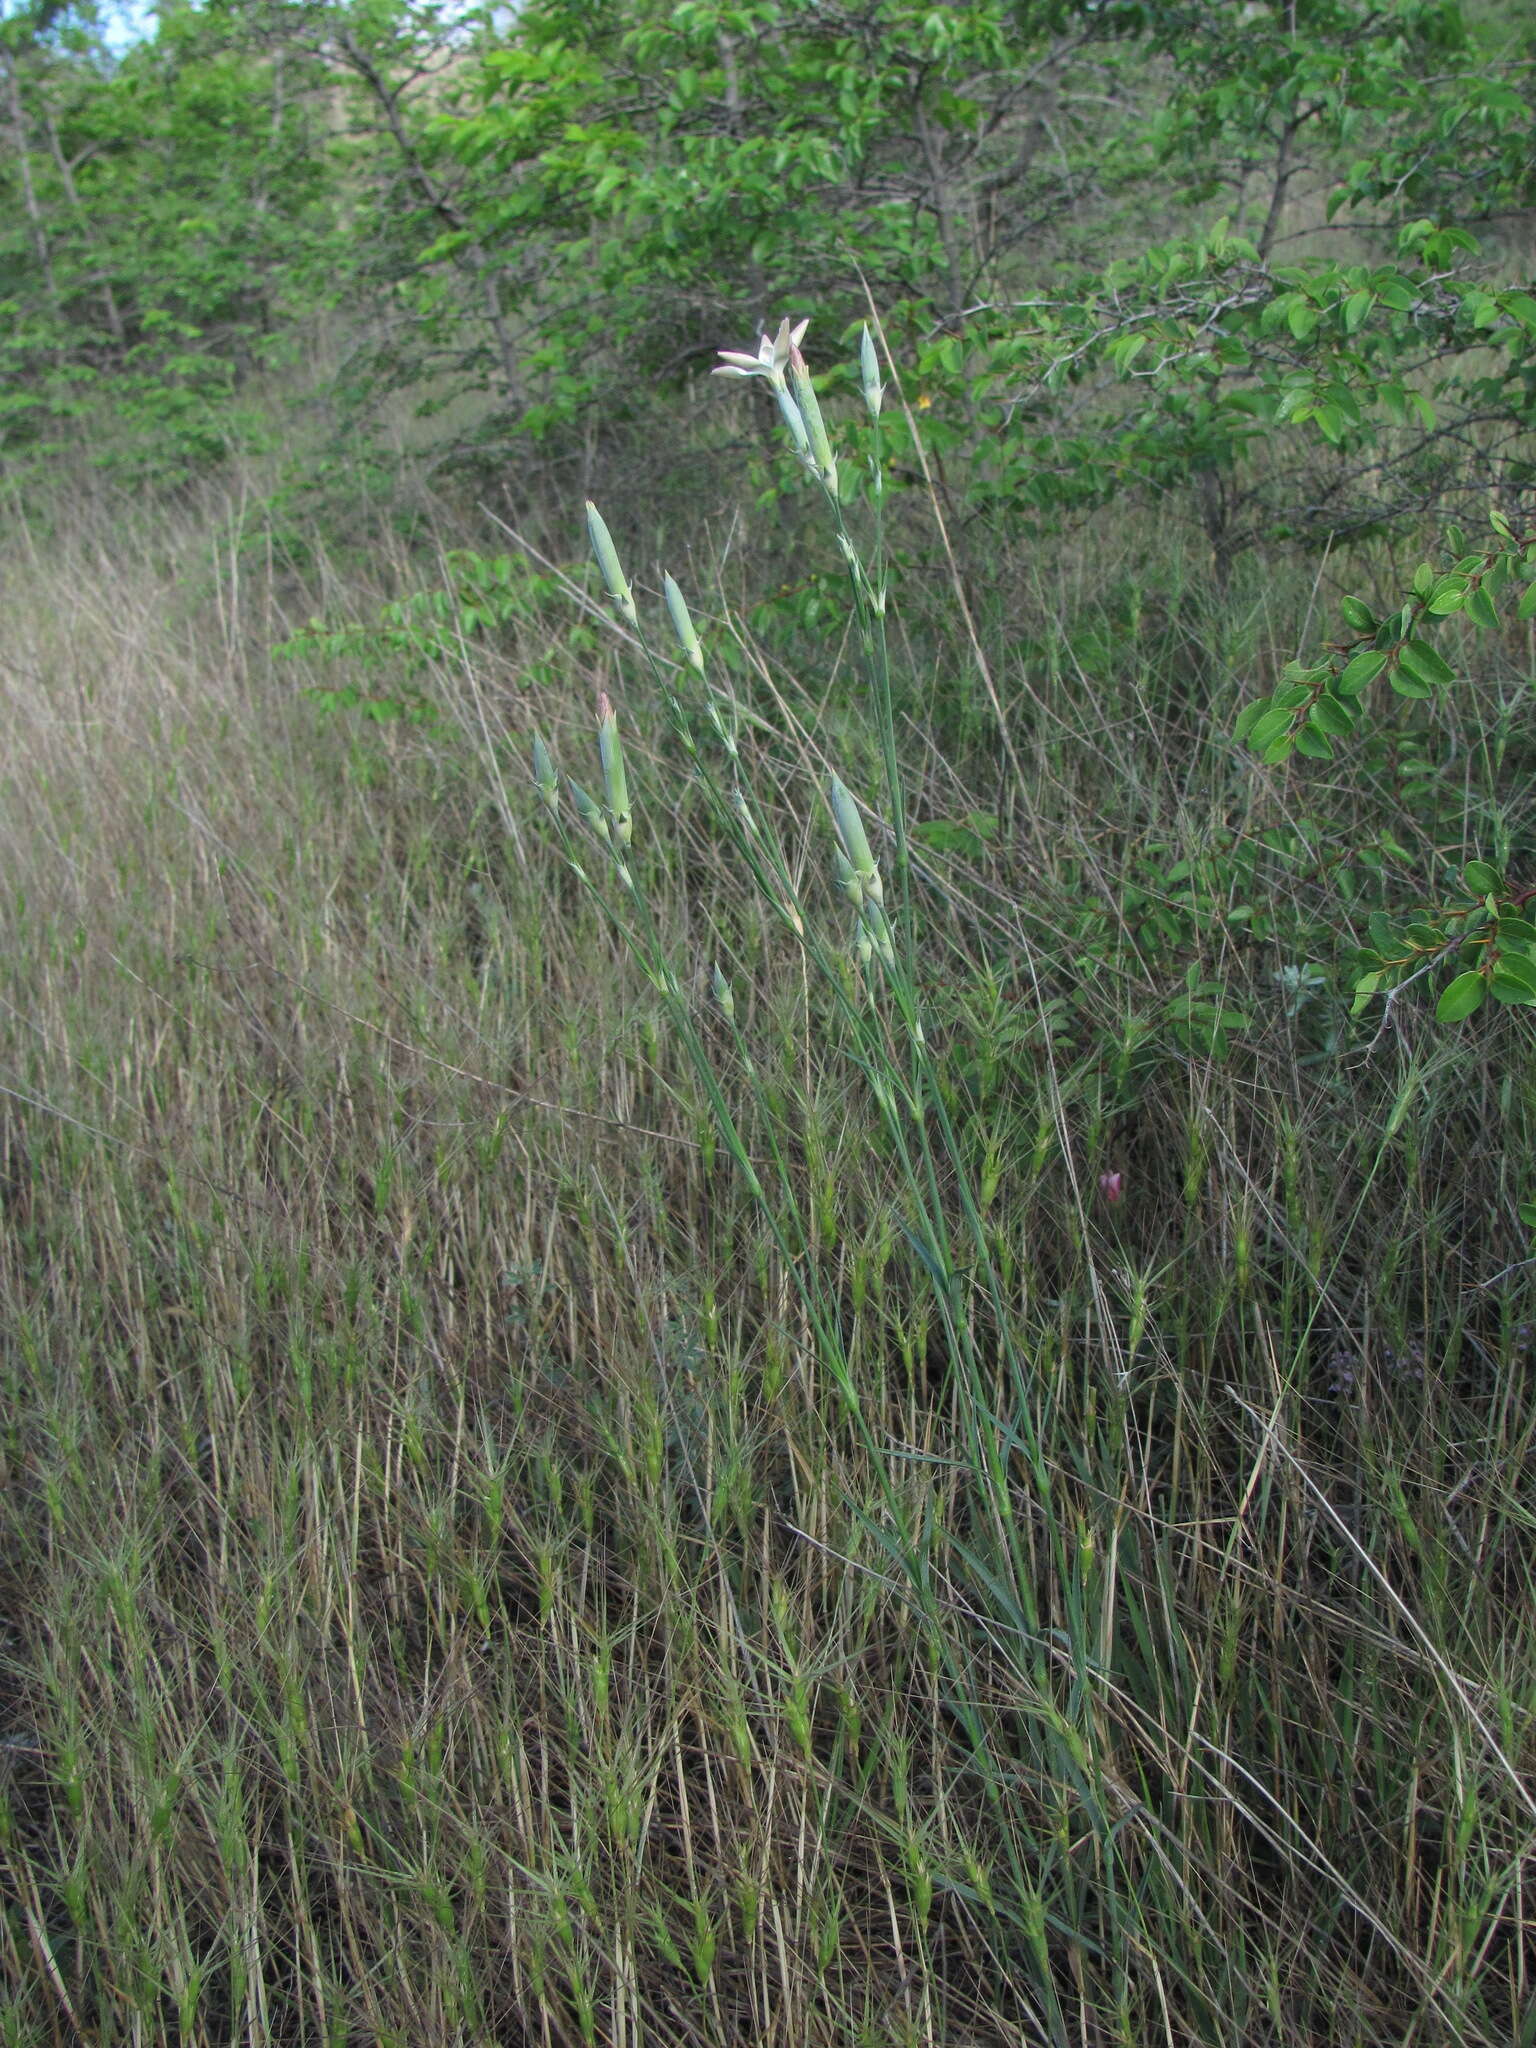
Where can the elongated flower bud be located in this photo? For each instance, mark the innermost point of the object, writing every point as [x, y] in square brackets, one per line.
[615, 782]
[722, 716]
[545, 781]
[608, 562]
[850, 830]
[879, 931]
[847, 881]
[723, 996]
[682, 624]
[810, 410]
[590, 813]
[795, 422]
[869, 374]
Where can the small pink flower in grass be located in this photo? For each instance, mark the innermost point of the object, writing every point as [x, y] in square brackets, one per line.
[1112, 1186]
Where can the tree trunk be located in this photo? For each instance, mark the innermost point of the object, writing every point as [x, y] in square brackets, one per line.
[29, 200]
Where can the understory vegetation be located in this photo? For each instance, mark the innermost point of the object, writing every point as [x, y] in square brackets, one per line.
[766, 1259]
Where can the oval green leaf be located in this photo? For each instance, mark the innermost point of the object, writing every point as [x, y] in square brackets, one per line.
[1330, 716]
[1424, 664]
[1517, 968]
[1268, 727]
[1359, 672]
[1462, 996]
[1407, 684]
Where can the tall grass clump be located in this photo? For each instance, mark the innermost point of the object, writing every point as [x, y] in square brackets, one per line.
[1077, 1626]
[819, 1395]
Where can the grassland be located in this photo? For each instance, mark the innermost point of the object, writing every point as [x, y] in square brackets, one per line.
[472, 1572]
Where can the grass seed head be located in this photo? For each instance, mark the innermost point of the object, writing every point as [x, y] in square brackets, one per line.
[743, 812]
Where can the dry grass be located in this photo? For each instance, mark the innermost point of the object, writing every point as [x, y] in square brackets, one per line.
[444, 1597]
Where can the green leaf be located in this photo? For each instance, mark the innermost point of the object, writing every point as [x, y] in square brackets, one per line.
[1517, 968]
[1526, 1211]
[945, 835]
[1479, 609]
[1526, 608]
[1314, 745]
[1249, 717]
[1421, 662]
[1360, 671]
[1448, 595]
[1302, 320]
[1462, 996]
[1268, 727]
[1482, 878]
[1506, 988]
[1330, 716]
[1516, 931]
[1358, 614]
[1407, 684]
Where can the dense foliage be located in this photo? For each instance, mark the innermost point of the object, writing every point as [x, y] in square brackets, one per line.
[1263, 250]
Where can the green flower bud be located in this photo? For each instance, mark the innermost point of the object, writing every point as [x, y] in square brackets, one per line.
[869, 374]
[615, 783]
[590, 813]
[682, 624]
[816, 427]
[608, 562]
[545, 781]
[850, 830]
